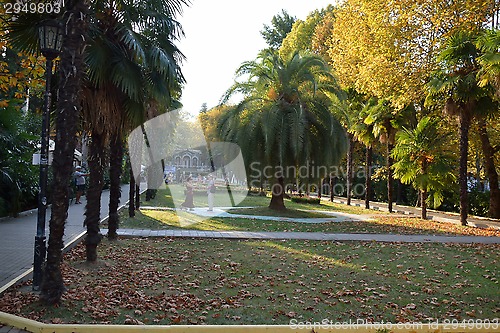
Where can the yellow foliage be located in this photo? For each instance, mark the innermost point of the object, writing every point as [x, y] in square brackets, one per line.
[272, 94]
[388, 48]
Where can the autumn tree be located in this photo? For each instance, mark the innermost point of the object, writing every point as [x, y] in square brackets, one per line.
[281, 25]
[309, 35]
[388, 49]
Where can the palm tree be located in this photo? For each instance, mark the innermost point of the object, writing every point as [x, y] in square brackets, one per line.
[22, 35]
[347, 111]
[132, 63]
[457, 82]
[489, 74]
[385, 122]
[423, 160]
[70, 78]
[364, 134]
[286, 108]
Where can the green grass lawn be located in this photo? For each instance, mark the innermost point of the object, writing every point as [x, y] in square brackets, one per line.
[162, 220]
[174, 195]
[382, 223]
[185, 281]
[290, 212]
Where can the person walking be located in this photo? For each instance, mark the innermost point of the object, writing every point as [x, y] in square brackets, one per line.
[80, 183]
[188, 202]
[210, 192]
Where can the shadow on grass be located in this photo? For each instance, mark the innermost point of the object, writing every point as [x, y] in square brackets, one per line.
[185, 281]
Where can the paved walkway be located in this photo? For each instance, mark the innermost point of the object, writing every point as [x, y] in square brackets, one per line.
[17, 237]
[306, 236]
[8, 329]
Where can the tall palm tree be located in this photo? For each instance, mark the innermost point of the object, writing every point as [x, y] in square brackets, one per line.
[364, 134]
[489, 74]
[347, 111]
[132, 61]
[423, 160]
[386, 121]
[22, 35]
[457, 82]
[71, 68]
[286, 105]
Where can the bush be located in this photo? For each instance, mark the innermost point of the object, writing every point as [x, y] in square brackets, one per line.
[306, 200]
[19, 134]
[479, 203]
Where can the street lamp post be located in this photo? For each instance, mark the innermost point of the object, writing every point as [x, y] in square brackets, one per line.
[50, 36]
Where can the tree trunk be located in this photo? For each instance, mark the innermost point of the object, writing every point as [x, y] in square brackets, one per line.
[423, 194]
[131, 193]
[464, 125]
[368, 181]
[68, 108]
[399, 192]
[489, 164]
[277, 202]
[332, 184]
[93, 207]
[389, 175]
[115, 172]
[350, 151]
[138, 194]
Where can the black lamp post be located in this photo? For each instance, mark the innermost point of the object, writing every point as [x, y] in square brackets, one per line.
[50, 34]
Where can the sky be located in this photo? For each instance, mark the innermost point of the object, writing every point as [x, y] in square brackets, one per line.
[222, 34]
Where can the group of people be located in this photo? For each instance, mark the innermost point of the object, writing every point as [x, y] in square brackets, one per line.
[79, 178]
[189, 201]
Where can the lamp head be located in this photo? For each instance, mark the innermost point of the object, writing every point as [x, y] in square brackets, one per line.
[50, 34]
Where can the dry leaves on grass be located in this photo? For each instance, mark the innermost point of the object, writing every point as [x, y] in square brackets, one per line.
[183, 281]
[407, 225]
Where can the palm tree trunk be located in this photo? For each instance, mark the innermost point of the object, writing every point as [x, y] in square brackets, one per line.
[368, 181]
[115, 172]
[131, 193]
[350, 151]
[93, 207]
[489, 164]
[423, 194]
[389, 175]
[464, 125]
[138, 195]
[332, 184]
[68, 108]
[277, 202]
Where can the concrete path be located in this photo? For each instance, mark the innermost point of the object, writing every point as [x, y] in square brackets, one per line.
[306, 236]
[17, 237]
[8, 329]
